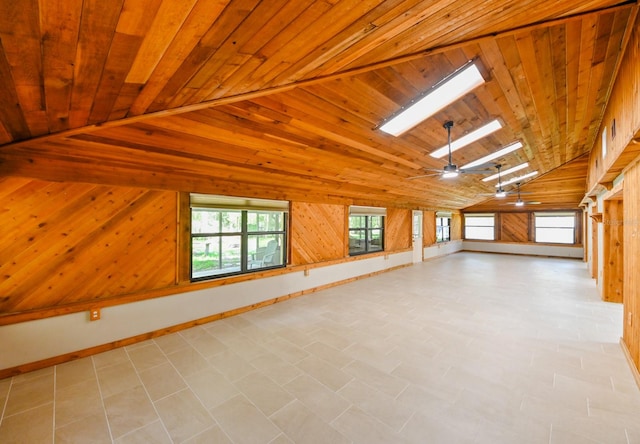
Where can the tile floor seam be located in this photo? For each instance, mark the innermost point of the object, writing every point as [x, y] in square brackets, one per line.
[55, 385]
[146, 391]
[30, 409]
[6, 400]
[104, 407]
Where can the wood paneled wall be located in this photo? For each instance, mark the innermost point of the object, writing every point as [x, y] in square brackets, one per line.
[71, 245]
[456, 226]
[631, 286]
[428, 228]
[317, 233]
[398, 229]
[621, 120]
[514, 227]
[66, 243]
[613, 251]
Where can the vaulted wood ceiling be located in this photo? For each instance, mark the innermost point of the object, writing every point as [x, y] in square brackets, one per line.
[282, 99]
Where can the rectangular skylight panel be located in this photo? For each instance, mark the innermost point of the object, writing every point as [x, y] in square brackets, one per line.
[467, 139]
[518, 179]
[443, 94]
[507, 172]
[506, 150]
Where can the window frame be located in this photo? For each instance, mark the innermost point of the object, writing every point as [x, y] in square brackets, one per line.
[440, 228]
[491, 216]
[573, 228]
[247, 259]
[368, 229]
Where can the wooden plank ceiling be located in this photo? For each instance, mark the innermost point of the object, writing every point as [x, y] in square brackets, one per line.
[282, 99]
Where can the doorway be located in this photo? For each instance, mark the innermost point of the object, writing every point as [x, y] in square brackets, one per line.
[417, 236]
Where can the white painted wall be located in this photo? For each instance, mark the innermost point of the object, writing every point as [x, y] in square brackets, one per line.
[36, 340]
[568, 251]
[442, 249]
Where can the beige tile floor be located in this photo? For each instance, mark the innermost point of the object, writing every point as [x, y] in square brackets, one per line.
[471, 348]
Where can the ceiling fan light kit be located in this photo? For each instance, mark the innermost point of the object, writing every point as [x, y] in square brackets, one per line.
[444, 93]
[450, 171]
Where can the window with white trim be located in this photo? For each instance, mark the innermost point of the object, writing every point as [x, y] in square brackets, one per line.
[236, 235]
[366, 229]
[479, 226]
[443, 227]
[555, 228]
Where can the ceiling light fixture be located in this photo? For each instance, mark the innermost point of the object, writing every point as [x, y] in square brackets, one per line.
[519, 178]
[467, 139]
[449, 172]
[509, 171]
[506, 150]
[443, 93]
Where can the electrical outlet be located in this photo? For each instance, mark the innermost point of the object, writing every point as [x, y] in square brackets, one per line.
[94, 314]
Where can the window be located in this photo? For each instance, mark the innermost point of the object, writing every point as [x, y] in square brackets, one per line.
[557, 228]
[443, 227]
[248, 235]
[366, 230]
[479, 226]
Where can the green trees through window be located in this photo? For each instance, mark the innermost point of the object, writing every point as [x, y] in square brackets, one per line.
[225, 242]
[366, 234]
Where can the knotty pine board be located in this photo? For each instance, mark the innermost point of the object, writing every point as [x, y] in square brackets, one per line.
[428, 228]
[631, 318]
[613, 251]
[514, 227]
[67, 242]
[398, 225]
[317, 232]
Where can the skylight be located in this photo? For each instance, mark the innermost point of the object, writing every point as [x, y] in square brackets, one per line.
[506, 172]
[467, 139]
[444, 93]
[506, 150]
[519, 178]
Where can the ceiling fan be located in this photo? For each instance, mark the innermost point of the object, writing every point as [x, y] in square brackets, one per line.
[500, 192]
[520, 202]
[450, 170]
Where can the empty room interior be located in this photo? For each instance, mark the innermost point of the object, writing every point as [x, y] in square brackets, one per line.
[319, 221]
